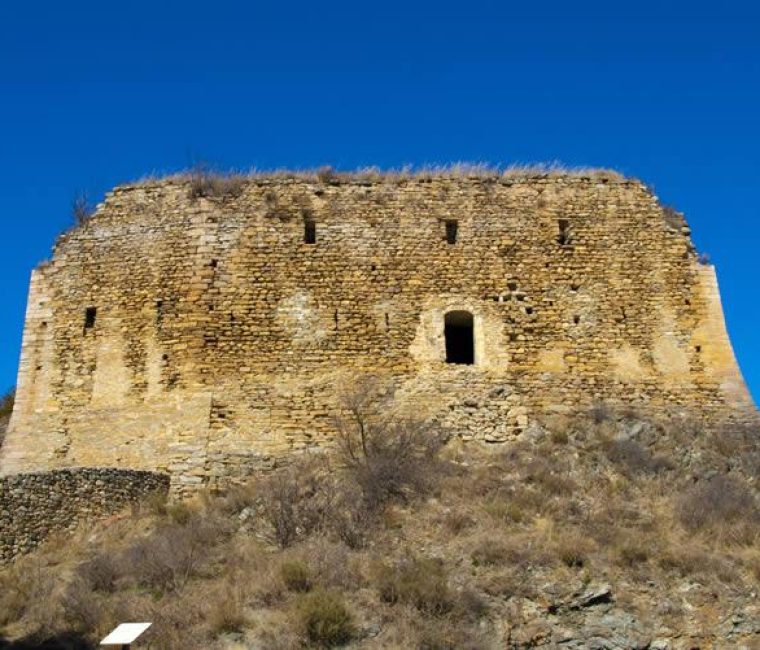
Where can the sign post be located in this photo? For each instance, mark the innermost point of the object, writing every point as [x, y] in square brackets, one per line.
[125, 634]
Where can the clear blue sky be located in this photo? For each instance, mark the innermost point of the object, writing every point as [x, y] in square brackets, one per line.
[97, 93]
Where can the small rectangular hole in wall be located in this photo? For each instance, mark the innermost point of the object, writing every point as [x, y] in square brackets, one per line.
[452, 229]
[89, 317]
[309, 232]
[564, 237]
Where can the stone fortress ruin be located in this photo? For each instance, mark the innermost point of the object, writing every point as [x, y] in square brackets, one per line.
[205, 328]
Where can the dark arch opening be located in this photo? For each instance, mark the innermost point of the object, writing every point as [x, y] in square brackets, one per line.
[460, 341]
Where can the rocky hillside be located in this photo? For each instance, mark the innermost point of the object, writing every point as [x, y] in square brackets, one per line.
[596, 530]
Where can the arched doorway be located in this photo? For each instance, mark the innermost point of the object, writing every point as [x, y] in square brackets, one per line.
[460, 340]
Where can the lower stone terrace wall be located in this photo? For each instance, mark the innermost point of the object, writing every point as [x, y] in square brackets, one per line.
[32, 506]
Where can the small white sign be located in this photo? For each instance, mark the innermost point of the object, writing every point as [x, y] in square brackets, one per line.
[125, 633]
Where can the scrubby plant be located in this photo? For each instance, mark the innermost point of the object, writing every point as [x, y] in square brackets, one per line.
[208, 183]
[324, 619]
[81, 208]
[387, 458]
[6, 408]
[420, 582]
[633, 458]
[296, 575]
[718, 501]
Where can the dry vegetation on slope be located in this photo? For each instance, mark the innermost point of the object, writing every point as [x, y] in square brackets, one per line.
[597, 530]
[6, 408]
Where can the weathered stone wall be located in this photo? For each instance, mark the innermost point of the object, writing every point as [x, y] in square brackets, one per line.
[221, 339]
[33, 506]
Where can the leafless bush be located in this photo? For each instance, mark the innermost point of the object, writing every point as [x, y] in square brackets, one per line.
[168, 558]
[601, 412]
[387, 459]
[26, 590]
[82, 610]
[295, 502]
[350, 518]
[719, 501]
[81, 208]
[740, 443]
[100, 572]
[632, 458]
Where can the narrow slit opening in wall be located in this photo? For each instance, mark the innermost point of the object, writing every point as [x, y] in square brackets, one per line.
[460, 339]
[309, 232]
[563, 238]
[452, 230]
[214, 264]
[159, 311]
[90, 315]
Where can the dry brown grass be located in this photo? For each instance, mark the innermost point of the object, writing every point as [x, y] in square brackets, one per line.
[216, 184]
[436, 566]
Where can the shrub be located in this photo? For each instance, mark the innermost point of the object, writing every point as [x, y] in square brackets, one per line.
[296, 575]
[505, 510]
[6, 408]
[6, 403]
[324, 619]
[168, 558]
[559, 437]
[631, 554]
[100, 572]
[82, 610]
[327, 175]
[227, 613]
[457, 522]
[490, 551]
[180, 512]
[387, 459]
[351, 519]
[721, 500]
[81, 208]
[294, 502]
[26, 585]
[419, 582]
[633, 458]
[204, 182]
[601, 412]
[573, 550]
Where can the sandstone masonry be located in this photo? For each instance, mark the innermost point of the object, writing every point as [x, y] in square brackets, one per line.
[206, 337]
[33, 506]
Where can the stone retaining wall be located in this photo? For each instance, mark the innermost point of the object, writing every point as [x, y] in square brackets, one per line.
[32, 506]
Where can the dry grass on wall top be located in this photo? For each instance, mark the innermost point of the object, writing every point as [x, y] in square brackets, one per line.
[209, 182]
[623, 526]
